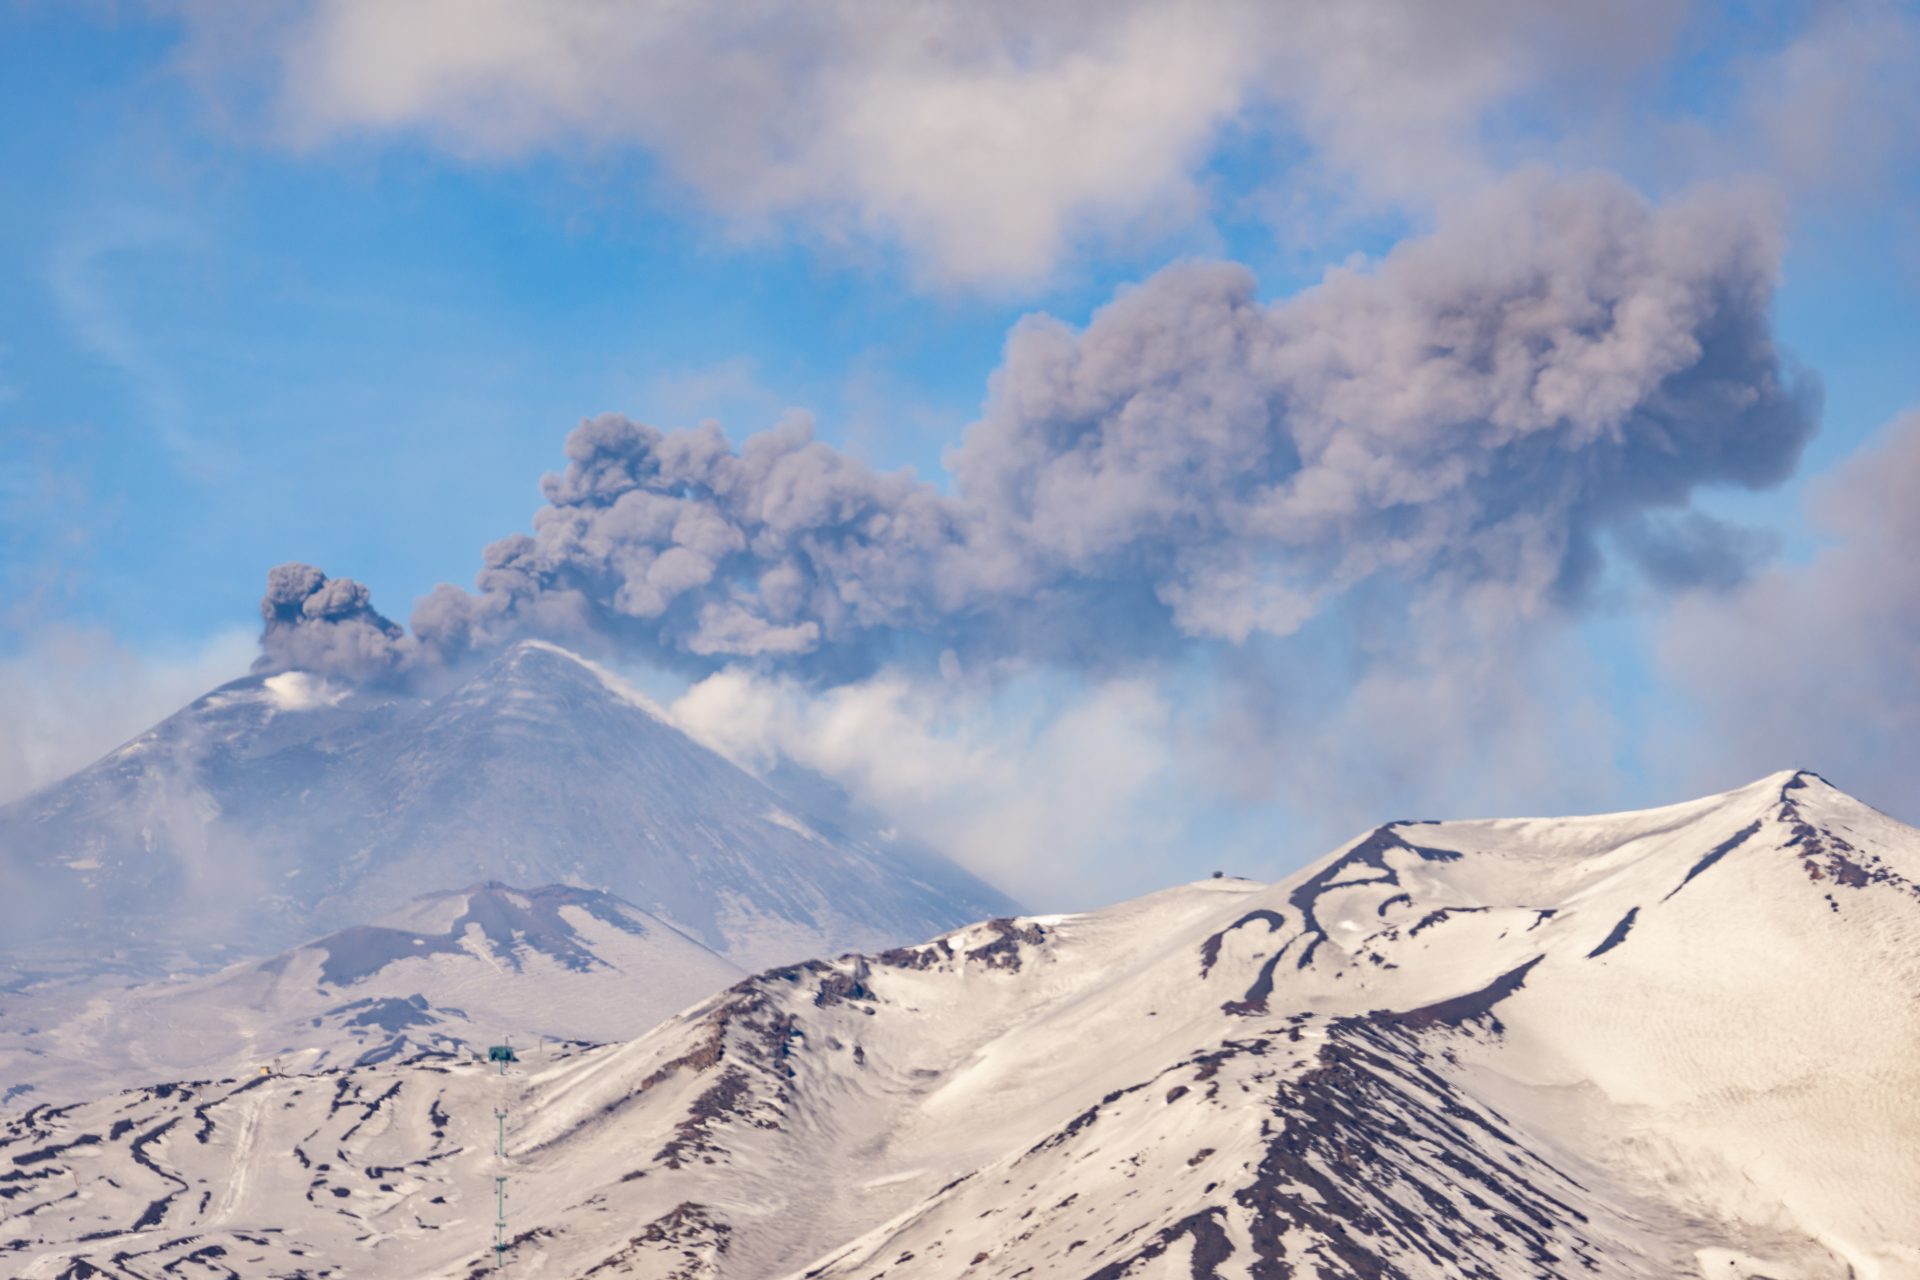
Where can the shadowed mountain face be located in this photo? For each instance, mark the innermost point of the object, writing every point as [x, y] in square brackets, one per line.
[1676, 1043]
[278, 807]
[511, 925]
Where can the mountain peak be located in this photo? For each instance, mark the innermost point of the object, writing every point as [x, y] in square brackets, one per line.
[541, 664]
[257, 824]
[536, 651]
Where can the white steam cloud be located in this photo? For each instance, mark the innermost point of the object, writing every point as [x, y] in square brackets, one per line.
[75, 694]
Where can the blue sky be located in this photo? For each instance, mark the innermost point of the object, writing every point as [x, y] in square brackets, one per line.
[259, 303]
[204, 335]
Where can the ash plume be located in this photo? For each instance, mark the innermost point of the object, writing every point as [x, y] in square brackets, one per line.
[329, 625]
[1474, 417]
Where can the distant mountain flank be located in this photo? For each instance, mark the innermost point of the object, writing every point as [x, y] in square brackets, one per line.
[449, 972]
[1671, 1043]
[277, 807]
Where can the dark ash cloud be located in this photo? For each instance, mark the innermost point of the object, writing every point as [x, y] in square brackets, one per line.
[317, 623]
[1471, 419]
[1695, 551]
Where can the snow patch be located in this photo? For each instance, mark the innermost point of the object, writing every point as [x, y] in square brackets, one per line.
[301, 691]
[781, 818]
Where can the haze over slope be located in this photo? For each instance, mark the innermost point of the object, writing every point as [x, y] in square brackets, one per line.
[1676, 1042]
[449, 971]
[277, 807]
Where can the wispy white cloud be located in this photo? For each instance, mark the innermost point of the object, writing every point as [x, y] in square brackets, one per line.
[1040, 786]
[1064, 790]
[85, 278]
[989, 140]
[72, 694]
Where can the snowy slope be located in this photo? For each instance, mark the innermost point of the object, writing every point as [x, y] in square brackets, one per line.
[1671, 1043]
[279, 807]
[449, 970]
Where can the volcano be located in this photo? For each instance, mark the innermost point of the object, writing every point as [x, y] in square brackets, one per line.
[279, 807]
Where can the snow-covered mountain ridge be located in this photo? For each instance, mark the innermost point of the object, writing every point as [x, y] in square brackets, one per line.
[448, 971]
[1669, 1043]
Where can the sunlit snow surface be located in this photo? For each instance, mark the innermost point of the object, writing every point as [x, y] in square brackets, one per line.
[1436, 1053]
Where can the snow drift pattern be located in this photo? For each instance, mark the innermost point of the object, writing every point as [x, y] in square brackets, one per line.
[1510, 1049]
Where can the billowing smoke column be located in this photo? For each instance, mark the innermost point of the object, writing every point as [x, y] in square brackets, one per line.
[676, 540]
[1557, 365]
[317, 623]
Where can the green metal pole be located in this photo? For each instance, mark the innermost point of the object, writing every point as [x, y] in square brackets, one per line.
[500, 1224]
